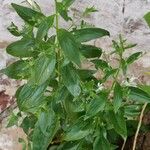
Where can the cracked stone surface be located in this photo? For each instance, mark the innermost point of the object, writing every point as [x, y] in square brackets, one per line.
[117, 16]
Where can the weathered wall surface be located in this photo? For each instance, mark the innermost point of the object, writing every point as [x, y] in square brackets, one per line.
[118, 16]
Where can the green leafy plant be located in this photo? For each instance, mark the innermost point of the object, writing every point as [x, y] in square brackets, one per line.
[63, 105]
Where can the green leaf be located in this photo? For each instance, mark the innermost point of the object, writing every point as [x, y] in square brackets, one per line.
[13, 120]
[45, 130]
[43, 69]
[130, 46]
[132, 110]
[133, 57]
[71, 80]
[137, 94]
[89, 10]
[61, 94]
[117, 48]
[101, 143]
[63, 11]
[86, 75]
[29, 97]
[124, 66]
[109, 73]
[58, 101]
[90, 51]
[46, 121]
[21, 48]
[13, 29]
[145, 88]
[96, 105]
[78, 130]
[69, 46]
[67, 3]
[17, 70]
[28, 123]
[87, 34]
[117, 97]
[44, 27]
[147, 18]
[99, 63]
[119, 123]
[28, 15]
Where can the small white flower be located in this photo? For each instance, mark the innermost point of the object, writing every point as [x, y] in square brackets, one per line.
[100, 87]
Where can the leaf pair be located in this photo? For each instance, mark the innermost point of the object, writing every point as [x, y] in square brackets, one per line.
[70, 43]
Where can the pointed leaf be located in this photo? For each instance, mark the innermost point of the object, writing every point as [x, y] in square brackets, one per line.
[99, 63]
[78, 130]
[13, 120]
[13, 29]
[137, 94]
[28, 123]
[69, 46]
[133, 57]
[43, 69]
[101, 143]
[90, 51]
[96, 105]
[30, 96]
[45, 130]
[145, 88]
[132, 110]
[119, 122]
[117, 48]
[109, 73]
[71, 80]
[28, 15]
[17, 70]
[117, 97]
[87, 34]
[63, 11]
[44, 27]
[86, 75]
[89, 10]
[22, 48]
[67, 3]
[147, 18]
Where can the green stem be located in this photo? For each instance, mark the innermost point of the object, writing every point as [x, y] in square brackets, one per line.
[117, 73]
[115, 79]
[56, 41]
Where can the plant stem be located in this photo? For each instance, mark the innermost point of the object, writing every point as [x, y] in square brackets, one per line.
[115, 79]
[56, 41]
[124, 143]
[139, 126]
